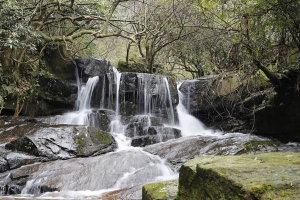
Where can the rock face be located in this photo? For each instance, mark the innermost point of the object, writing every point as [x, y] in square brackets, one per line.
[56, 95]
[92, 67]
[280, 121]
[262, 176]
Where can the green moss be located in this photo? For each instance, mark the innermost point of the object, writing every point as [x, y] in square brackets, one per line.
[134, 65]
[262, 176]
[101, 138]
[81, 144]
[160, 191]
[255, 146]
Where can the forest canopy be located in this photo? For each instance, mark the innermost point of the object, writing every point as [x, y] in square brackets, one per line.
[187, 37]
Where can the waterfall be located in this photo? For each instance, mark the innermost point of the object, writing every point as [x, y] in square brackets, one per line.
[85, 94]
[127, 166]
[189, 124]
[83, 105]
[102, 94]
[117, 129]
[171, 117]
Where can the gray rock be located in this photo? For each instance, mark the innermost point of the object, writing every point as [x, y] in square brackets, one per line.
[92, 173]
[155, 134]
[62, 141]
[15, 160]
[90, 67]
[179, 151]
[3, 165]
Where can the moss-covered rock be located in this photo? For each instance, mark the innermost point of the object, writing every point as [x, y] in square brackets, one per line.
[160, 191]
[263, 176]
[134, 65]
[57, 141]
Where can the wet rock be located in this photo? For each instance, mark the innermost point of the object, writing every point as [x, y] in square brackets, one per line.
[160, 191]
[56, 96]
[9, 190]
[262, 176]
[15, 160]
[154, 134]
[101, 119]
[90, 67]
[92, 173]
[3, 165]
[179, 151]
[140, 123]
[62, 141]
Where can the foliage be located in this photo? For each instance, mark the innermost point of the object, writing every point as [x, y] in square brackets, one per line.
[196, 37]
[27, 28]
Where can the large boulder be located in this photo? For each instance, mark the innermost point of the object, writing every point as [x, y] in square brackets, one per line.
[59, 141]
[279, 121]
[91, 67]
[55, 96]
[262, 176]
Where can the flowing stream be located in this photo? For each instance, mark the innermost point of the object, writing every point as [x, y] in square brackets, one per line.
[128, 166]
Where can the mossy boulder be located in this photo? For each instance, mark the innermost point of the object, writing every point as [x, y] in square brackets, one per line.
[160, 191]
[57, 141]
[263, 176]
[133, 65]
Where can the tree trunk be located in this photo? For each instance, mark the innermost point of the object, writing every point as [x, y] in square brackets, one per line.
[5, 58]
[19, 107]
[149, 59]
[270, 75]
[127, 53]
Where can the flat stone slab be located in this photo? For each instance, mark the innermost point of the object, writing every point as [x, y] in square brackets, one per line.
[160, 191]
[262, 176]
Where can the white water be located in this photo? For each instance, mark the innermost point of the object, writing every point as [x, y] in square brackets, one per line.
[117, 129]
[152, 170]
[172, 119]
[188, 124]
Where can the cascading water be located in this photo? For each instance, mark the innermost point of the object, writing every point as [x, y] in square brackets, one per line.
[126, 167]
[171, 115]
[117, 129]
[189, 124]
[83, 108]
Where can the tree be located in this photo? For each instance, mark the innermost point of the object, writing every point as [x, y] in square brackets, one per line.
[28, 27]
[264, 31]
[159, 24]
